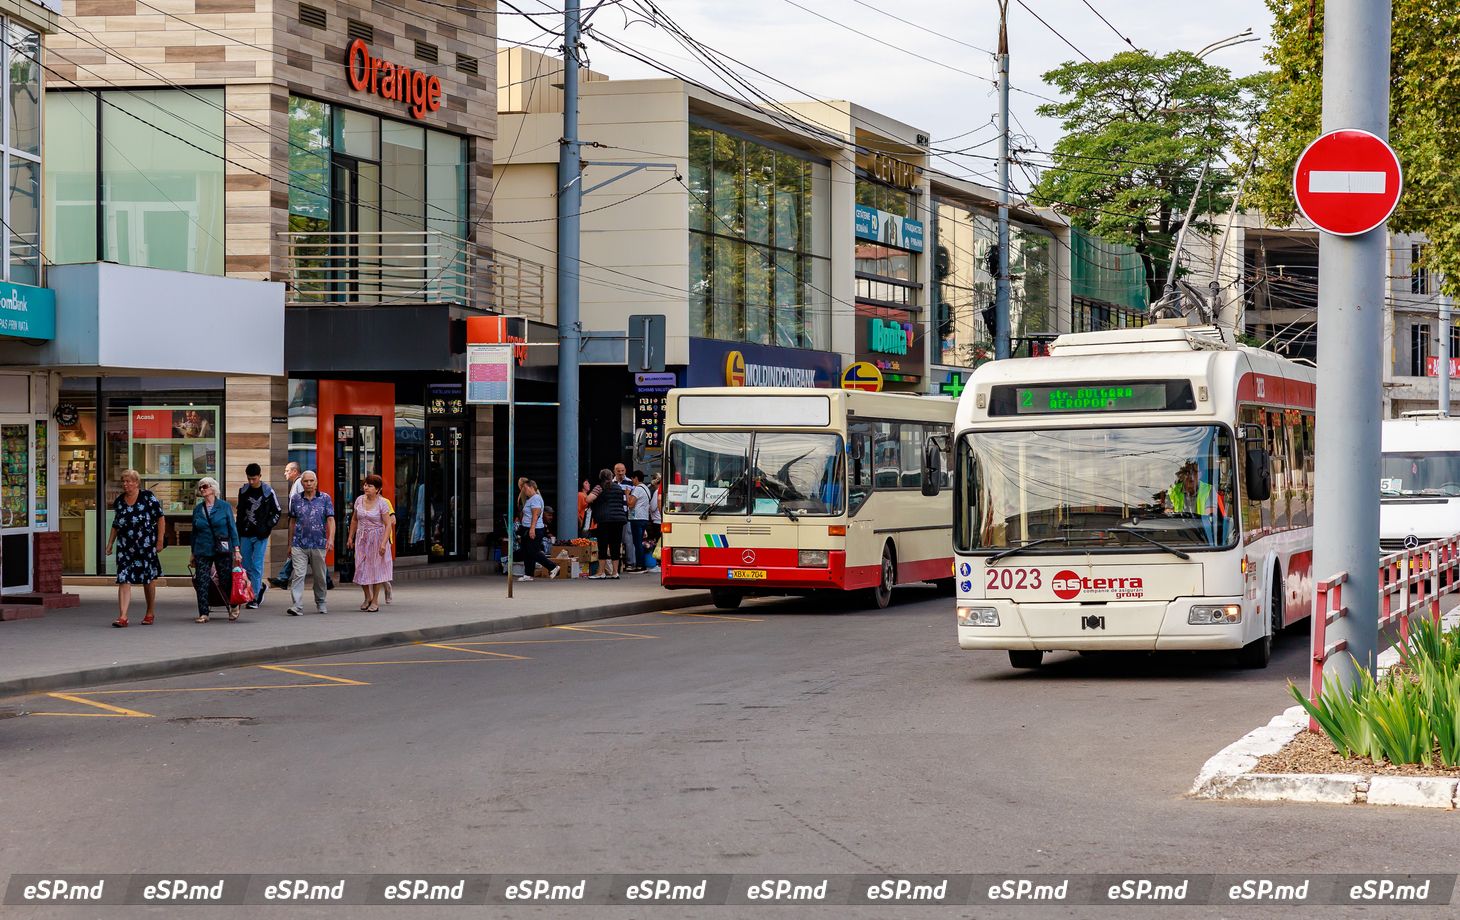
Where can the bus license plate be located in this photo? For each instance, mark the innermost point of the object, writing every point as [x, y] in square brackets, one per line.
[746, 574]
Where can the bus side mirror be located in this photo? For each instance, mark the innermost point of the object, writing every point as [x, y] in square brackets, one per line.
[932, 467]
[1258, 469]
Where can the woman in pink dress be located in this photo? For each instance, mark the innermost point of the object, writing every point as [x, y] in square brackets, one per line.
[372, 529]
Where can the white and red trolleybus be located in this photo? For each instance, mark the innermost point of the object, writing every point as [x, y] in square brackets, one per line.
[1139, 489]
[771, 490]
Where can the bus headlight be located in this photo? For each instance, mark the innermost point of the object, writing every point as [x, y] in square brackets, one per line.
[978, 616]
[686, 555]
[812, 558]
[1206, 616]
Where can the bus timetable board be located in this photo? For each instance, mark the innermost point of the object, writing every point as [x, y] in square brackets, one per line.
[1093, 397]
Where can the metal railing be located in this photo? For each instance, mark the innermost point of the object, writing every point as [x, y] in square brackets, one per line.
[354, 267]
[518, 286]
[1410, 582]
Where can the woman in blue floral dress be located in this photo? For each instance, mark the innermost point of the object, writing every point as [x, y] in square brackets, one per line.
[137, 530]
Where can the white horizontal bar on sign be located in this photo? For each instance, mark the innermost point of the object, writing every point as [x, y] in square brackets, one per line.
[1347, 181]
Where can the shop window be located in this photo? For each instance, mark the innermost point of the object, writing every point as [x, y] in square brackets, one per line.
[304, 423]
[23, 225]
[409, 492]
[70, 176]
[23, 104]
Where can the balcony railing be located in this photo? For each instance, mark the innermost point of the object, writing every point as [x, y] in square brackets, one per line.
[404, 267]
[424, 266]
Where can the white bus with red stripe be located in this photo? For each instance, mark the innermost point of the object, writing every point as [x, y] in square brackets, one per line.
[773, 490]
[1140, 489]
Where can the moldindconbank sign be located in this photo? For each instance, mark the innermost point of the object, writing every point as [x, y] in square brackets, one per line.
[714, 363]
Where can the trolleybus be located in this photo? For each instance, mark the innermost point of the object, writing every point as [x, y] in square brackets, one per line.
[1139, 489]
[772, 490]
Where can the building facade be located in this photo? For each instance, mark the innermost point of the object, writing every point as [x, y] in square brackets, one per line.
[340, 153]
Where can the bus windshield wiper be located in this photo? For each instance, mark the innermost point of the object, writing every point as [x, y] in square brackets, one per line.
[1156, 543]
[1023, 546]
[724, 495]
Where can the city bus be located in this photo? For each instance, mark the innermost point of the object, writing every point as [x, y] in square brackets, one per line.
[779, 490]
[1419, 485]
[1139, 489]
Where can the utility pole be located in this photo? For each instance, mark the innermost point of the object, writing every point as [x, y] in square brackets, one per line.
[1445, 326]
[1351, 279]
[1001, 282]
[570, 205]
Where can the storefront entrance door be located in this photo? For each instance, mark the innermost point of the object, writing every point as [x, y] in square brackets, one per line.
[17, 484]
[357, 454]
[446, 498]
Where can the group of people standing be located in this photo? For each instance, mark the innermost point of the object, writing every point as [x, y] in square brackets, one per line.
[623, 512]
[225, 537]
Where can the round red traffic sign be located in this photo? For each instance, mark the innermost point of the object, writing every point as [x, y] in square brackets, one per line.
[1347, 182]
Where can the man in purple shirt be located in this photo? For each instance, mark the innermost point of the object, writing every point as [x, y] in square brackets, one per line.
[311, 532]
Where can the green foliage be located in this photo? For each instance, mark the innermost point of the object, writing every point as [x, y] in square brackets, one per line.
[1424, 118]
[1138, 129]
[1411, 716]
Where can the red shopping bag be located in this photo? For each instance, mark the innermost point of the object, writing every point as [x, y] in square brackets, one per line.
[242, 588]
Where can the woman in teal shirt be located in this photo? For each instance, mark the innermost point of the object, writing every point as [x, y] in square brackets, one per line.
[215, 547]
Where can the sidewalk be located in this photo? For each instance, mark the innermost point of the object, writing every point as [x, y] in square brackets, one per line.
[77, 647]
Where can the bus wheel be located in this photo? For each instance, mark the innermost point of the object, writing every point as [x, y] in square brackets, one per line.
[725, 599]
[1026, 660]
[880, 596]
[1276, 606]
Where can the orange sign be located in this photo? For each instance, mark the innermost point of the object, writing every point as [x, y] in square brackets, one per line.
[397, 82]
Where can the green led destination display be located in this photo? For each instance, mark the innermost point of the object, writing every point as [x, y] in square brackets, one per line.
[1093, 397]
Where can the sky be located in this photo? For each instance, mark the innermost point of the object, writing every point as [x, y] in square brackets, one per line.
[925, 71]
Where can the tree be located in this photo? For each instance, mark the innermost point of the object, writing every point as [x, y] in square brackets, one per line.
[1138, 130]
[1424, 118]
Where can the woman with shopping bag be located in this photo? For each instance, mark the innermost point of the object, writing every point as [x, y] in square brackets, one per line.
[215, 546]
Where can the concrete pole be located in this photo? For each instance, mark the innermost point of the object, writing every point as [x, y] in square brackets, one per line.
[1001, 283]
[1444, 352]
[570, 205]
[1351, 282]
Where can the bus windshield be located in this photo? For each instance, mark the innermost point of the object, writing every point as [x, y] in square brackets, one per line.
[1091, 489]
[1420, 473]
[768, 472]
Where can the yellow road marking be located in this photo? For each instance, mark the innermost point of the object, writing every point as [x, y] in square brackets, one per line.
[112, 712]
[595, 631]
[456, 648]
[711, 616]
[339, 680]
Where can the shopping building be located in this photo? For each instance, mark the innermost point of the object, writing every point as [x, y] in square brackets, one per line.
[28, 508]
[333, 160]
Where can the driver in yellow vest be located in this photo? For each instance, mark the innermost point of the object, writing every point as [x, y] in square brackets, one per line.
[1189, 495]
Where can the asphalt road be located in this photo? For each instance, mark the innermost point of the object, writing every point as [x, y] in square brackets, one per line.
[783, 738]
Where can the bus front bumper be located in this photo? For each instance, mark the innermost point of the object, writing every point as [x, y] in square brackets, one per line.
[766, 570]
[1149, 627]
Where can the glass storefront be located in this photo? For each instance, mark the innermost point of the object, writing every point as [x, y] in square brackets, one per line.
[963, 289]
[759, 247]
[168, 430]
[158, 158]
[356, 173]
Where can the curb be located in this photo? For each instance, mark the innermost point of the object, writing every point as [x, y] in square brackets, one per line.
[1228, 776]
[89, 677]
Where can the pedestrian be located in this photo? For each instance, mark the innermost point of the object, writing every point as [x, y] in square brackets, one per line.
[371, 529]
[529, 534]
[583, 491]
[390, 509]
[639, 499]
[607, 502]
[215, 546]
[656, 519]
[291, 474]
[137, 529]
[258, 514]
[311, 532]
[626, 538]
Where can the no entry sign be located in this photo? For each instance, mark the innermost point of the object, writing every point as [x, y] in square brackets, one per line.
[1347, 182]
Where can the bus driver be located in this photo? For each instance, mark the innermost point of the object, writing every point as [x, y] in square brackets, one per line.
[1189, 495]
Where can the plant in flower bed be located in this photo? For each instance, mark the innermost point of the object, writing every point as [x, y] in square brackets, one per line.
[1410, 716]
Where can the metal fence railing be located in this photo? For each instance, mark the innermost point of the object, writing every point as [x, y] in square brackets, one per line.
[1410, 582]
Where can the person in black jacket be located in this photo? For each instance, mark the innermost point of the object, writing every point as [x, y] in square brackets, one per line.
[259, 512]
[610, 513]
